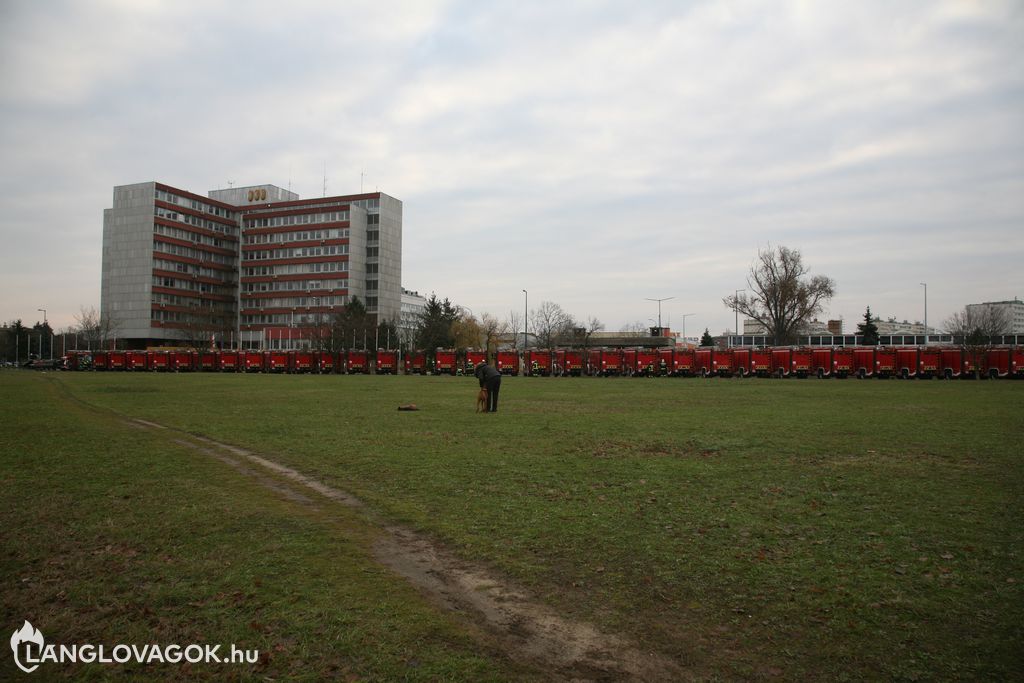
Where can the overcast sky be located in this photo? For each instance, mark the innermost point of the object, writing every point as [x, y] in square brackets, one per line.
[594, 153]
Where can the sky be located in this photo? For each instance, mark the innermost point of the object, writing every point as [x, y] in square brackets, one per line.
[597, 154]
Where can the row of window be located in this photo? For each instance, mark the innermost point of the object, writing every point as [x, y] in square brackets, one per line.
[188, 269]
[192, 286]
[189, 252]
[300, 219]
[293, 285]
[206, 317]
[373, 235]
[297, 252]
[296, 269]
[288, 318]
[294, 301]
[189, 236]
[194, 204]
[198, 222]
[304, 236]
[175, 300]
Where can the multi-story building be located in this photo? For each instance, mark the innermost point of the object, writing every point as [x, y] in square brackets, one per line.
[255, 267]
[1012, 311]
[413, 306]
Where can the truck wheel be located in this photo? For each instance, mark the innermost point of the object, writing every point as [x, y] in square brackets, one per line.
[948, 374]
[821, 374]
[993, 373]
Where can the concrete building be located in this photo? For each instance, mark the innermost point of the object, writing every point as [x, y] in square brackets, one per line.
[249, 267]
[1012, 310]
[413, 306]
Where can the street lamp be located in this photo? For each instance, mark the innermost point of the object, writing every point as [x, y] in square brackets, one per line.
[667, 298]
[925, 285]
[685, 316]
[526, 313]
[45, 325]
[736, 310]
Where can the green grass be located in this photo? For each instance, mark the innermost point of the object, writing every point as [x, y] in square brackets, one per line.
[117, 535]
[750, 528]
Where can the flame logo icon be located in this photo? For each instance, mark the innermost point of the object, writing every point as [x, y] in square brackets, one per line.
[26, 634]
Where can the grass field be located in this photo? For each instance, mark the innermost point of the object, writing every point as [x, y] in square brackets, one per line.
[831, 530]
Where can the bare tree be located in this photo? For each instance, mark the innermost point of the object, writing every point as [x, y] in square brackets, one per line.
[95, 330]
[974, 327]
[780, 297]
[550, 323]
[635, 329]
[491, 329]
[467, 333]
[514, 324]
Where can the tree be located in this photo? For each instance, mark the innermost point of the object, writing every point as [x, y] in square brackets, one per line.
[868, 330]
[352, 326]
[96, 331]
[550, 323]
[635, 329]
[491, 329]
[514, 324]
[434, 330]
[780, 297]
[466, 333]
[974, 327]
[707, 339]
[589, 328]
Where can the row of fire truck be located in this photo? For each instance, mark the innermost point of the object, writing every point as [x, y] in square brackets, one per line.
[904, 362]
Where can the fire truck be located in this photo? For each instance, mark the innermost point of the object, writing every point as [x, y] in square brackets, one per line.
[508, 362]
[538, 363]
[387, 362]
[446, 362]
[415, 363]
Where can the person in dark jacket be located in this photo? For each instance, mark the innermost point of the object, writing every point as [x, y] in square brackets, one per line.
[490, 379]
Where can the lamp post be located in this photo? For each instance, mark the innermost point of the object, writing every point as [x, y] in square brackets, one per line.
[685, 316]
[925, 285]
[45, 325]
[667, 298]
[736, 311]
[526, 313]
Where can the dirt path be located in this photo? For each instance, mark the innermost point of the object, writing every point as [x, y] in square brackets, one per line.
[509, 617]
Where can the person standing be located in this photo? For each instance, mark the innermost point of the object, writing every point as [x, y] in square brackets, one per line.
[490, 379]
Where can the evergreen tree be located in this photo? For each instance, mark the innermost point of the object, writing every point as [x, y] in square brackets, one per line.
[707, 340]
[868, 330]
[435, 325]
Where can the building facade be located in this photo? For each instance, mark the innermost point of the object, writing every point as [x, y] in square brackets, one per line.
[1012, 311]
[246, 267]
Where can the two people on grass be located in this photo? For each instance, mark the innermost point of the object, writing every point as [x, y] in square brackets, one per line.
[490, 379]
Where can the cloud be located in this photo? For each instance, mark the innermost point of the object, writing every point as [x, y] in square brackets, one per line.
[595, 154]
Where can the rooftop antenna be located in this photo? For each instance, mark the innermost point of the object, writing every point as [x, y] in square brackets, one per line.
[289, 177]
[231, 183]
[325, 178]
[361, 176]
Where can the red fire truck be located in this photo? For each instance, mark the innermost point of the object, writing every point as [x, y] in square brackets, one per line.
[997, 362]
[842, 362]
[951, 363]
[138, 360]
[1017, 363]
[182, 361]
[703, 362]
[159, 361]
[116, 360]
[646, 363]
[569, 363]
[228, 361]
[605, 362]
[252, 361]
[803, 359]
[473, 359]
[387, 362]
[929, 360]
[208, 361]
[538, 363]
[821, 362]
[761, 362]
[445, 362]
[864, 362]
[508, 362]
[741, 359]
[906, 363]
[782, 362]
[357, 363]
[415, 363]
[277, 361]
[885, 363]
[722, 362]
[324, 362]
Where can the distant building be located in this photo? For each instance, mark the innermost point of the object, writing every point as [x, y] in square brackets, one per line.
[250, 267]
[413, 306]
[1013, 310]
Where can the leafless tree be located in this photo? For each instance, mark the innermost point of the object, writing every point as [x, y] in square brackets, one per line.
[635, 329]
[514, 325]
[974, 327]
[491, 329]
[550, 323]
[94, 330]
[781, 296]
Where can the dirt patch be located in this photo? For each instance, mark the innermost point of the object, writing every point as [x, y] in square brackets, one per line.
[524, 629]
